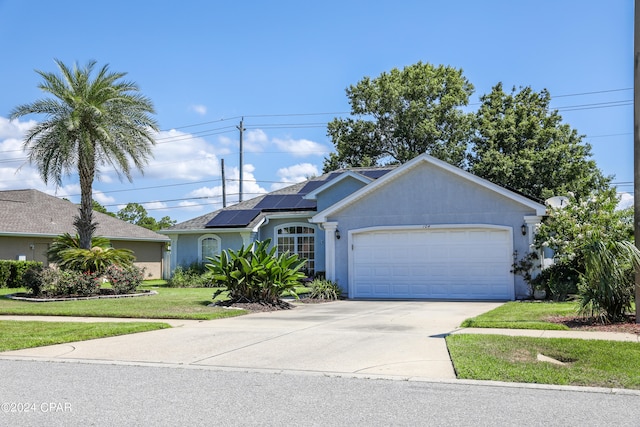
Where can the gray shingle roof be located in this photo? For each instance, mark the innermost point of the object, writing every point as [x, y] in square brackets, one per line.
[32, 212]
[199, 223]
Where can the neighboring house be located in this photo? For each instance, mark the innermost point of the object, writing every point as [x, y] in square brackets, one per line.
[30, 219]
[425, 229]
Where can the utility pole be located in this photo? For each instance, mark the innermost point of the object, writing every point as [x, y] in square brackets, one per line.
[636, 145]
[241, 129]
[224, 186]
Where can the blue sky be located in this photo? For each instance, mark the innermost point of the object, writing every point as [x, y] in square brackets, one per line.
[284, 67]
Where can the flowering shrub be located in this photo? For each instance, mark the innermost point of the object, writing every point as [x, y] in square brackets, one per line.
[124, 280]
[49, 282]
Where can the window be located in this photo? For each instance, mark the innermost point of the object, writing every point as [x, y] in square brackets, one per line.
[208, 247]
[298, 239]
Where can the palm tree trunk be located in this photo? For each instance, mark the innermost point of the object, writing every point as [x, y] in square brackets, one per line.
[84, 221]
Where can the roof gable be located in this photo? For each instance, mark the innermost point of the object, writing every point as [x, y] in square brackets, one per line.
[420, 161]
[342, 177]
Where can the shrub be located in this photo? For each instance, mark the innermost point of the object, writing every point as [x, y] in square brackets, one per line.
[560, 280]
[194, 276]
[256, 273]
[11, 272]
[49, 282]
[124, 280]
[324, 289]
[32, 279]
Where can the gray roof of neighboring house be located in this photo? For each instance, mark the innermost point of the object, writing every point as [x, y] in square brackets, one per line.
[300, 189]
[32, 212]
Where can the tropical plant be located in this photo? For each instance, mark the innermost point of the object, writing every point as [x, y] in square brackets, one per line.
[66, 253]
[324, 290]
[257, 273]
[92, 121]
[607, 286]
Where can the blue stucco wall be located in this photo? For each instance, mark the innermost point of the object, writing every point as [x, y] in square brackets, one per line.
[430, 196]
[338, 191]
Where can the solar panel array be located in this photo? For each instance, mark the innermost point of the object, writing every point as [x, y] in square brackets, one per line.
[233, 218]
[285, 202]
[279, 202]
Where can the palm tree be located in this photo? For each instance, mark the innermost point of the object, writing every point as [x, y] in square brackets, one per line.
[90, 122]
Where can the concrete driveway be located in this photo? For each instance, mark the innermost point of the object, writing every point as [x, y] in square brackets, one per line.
[370, 338]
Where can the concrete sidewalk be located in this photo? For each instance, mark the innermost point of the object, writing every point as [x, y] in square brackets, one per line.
[584, 335]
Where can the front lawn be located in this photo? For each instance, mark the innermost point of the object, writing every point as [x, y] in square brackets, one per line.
[17, 334]
[514, 359]
[170, 303]
[523, 315]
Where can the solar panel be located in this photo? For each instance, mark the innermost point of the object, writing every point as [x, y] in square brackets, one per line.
[375, 173]
[312, 185]
[285, 202]
[233, 218]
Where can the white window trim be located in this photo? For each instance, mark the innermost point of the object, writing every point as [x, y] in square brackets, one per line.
[208, 236]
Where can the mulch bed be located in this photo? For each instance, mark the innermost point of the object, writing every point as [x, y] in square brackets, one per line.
[587, 324]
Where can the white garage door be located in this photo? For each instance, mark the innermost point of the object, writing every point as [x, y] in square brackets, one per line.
[459, 263]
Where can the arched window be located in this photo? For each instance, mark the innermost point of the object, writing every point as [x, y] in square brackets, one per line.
[208, 247]
[298, 239]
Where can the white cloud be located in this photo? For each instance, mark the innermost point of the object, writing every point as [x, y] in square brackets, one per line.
[14, 129]
[181, 156]
[625, 200]
[213, 195]
[157, 205]
[296, 173]
[199, 109]
[301, 147]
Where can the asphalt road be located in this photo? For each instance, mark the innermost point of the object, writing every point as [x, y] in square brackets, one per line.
[81, 394]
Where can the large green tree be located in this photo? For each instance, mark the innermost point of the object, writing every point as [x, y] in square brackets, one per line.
[401, 114]
[522, 144]
[136, 214]
[91, 120]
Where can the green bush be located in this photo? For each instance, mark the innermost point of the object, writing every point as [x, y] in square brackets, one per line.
[324, 289]
[49, 283]
[124, 280]
[12, 271]
[256, 273]
[559, 280]
[194, 276]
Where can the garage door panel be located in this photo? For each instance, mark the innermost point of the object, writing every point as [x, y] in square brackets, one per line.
[434, 263]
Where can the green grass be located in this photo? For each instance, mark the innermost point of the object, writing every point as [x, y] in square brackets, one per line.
[170, 303]
[17, 334]
[513, 359]
[523, 315]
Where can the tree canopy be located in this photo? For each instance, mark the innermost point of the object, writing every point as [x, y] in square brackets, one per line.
[402, 114]
[91, 120]
[136, 214]
[520, 143]
[514, 139]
